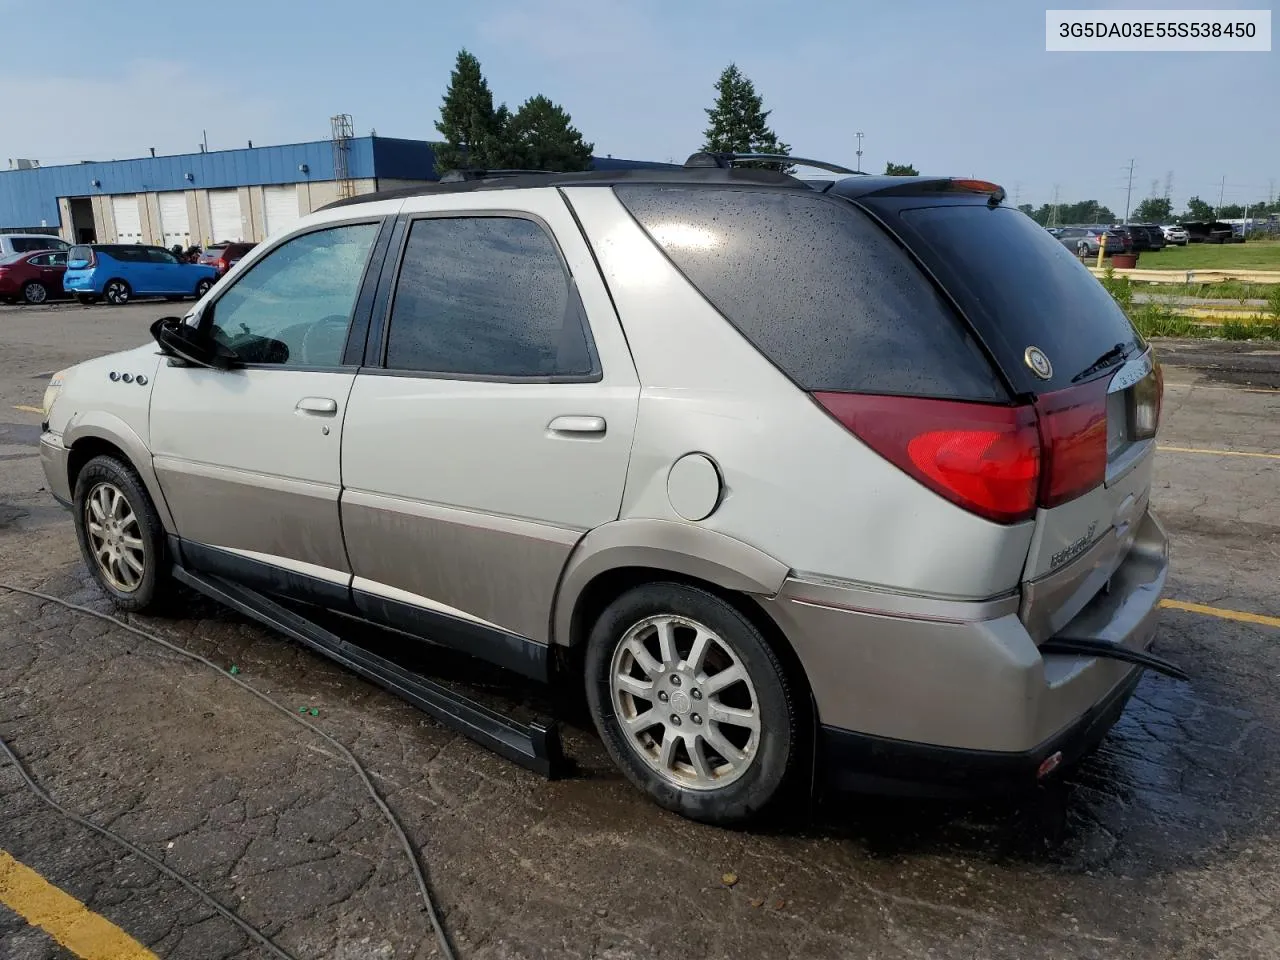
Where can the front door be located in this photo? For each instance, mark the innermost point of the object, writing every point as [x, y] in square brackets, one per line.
[492, 424]
[248, 458]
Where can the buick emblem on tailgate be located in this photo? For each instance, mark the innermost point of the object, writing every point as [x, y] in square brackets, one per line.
[1038, 363]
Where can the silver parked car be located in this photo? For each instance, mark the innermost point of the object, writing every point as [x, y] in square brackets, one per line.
[1176, 235]
[1085, 241]
[781, 475]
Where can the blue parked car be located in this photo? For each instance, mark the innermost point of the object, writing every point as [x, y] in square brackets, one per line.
[117, 272]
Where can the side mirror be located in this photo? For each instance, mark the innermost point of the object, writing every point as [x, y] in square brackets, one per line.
[176, 339]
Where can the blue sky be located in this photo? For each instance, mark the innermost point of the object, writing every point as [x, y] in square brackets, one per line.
[955, 88]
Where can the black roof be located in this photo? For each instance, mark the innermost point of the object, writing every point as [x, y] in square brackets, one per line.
[850, 187]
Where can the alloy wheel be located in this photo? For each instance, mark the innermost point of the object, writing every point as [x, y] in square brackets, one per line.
[117, 292]
[115, 538]
[35, 293]
[685, 702]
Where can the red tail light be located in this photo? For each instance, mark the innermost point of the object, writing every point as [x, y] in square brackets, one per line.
[1073, 438]
[982, 457]
[999, 462]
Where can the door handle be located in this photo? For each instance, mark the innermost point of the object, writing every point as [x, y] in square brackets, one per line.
[317, 406]
[571, 424]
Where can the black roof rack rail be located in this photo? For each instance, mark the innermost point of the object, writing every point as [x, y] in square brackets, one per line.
[461, 176]
[704, 158]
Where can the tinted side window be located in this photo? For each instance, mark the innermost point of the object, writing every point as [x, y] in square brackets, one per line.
[486, 296]
[156, 255]
[27, 244]
[295, 305]
[818, 288]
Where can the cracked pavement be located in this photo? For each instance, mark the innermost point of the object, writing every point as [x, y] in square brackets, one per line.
[1162, 845]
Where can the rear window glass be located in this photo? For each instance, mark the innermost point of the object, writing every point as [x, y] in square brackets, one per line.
[79, 254]
[1020, 288]
[818, 288]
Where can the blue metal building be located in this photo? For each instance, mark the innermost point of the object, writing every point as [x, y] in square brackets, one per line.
[207, 197]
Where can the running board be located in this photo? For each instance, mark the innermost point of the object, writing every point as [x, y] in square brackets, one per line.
[535, 746]
[1102, 648]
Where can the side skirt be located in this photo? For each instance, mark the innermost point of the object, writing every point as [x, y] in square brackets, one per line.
[536, 746]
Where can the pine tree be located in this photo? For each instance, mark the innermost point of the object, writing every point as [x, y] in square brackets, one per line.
[475, 133]
[738, 121]
[543, 138]
[900, 170]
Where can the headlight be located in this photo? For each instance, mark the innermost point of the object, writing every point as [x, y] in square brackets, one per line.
[51, 392]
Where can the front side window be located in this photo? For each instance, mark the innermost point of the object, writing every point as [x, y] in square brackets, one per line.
[486, 297]
[156, 255]
[294, 306]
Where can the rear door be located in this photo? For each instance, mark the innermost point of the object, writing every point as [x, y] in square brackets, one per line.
[492, 423]
[1064, 344]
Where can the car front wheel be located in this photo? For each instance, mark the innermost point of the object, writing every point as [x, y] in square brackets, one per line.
[120, 534]
[35, 292]
[692, 703]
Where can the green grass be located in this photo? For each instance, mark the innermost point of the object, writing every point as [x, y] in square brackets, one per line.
[1254, 255]
[1229, 290]
[1161, 320]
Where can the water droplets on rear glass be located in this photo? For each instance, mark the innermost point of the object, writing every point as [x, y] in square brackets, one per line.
[818, 288]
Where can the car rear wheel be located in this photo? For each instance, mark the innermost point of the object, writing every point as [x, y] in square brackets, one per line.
[117, 293]
[35, 292]
[203, 287]
[692, 703]
[120, 534]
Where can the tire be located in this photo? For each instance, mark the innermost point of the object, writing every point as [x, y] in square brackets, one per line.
[35, 292]
[86, 299]
[727, 788]
[203, 287]
[117, 293]
[100, 482]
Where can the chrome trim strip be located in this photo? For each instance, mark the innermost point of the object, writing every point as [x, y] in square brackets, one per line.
[295, 566]
[514, 526]
[881, 603]
[249, 478]
[414, 600]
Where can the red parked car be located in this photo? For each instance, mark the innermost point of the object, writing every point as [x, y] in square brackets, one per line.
[32, 277]
[224, 256]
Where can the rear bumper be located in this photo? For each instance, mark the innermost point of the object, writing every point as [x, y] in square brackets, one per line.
[917, 695]
[852, 761]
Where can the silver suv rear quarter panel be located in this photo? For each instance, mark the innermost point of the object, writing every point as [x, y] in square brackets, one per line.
[798, 486]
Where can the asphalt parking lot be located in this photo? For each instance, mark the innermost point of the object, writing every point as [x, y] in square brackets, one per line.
[1162, 845]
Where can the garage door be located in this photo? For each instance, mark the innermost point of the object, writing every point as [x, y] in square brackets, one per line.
[124, 210]
[173, 219]
[281, 207]
[224, 211]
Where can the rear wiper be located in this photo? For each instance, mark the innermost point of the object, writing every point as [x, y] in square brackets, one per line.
[1114, 355]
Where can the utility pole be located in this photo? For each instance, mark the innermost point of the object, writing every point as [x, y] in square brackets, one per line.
[1222, 188]
[859, 136]
[1128, 194]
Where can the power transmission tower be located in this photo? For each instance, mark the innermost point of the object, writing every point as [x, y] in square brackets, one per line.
[1053, 217]
[1128, 194]
[1017, 193]
[1168, 185]
[1155, 187]
[1271, 192]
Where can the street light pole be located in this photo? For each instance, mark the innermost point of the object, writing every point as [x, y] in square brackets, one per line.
[859, 136]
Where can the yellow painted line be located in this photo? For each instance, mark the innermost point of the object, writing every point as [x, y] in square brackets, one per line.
[1257, 618]
[67, 920]
[1221, 453]
[26, 409]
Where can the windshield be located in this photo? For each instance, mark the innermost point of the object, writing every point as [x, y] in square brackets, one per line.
[1020, 288]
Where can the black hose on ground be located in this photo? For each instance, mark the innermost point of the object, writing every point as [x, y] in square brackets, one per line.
[429, 905]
